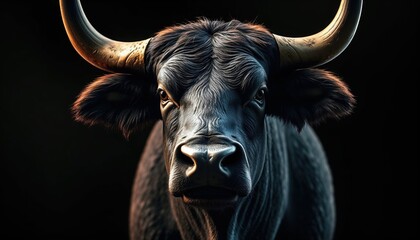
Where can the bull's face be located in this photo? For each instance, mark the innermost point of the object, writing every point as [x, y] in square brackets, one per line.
[208, 81]
[212, 93]
[213, 127]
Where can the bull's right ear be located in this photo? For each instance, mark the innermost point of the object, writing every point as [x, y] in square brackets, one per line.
[121, 101]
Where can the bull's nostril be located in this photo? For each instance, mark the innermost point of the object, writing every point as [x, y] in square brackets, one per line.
[185, 159]
[214, 158]
[231, 159]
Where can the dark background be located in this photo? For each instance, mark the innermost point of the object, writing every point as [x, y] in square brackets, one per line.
[62, 180]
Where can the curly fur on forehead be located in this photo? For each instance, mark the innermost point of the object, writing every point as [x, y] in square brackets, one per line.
[232, 49]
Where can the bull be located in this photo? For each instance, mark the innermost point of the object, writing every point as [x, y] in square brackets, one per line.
[231, 154]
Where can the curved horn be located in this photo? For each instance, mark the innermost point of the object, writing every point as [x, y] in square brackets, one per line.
[324, 46]
[100, 51]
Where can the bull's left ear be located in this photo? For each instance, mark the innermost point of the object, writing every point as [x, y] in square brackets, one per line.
[309, 96]
[122, 101]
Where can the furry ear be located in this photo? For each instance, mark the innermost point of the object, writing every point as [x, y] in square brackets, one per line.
[121, 101]
[309, 95]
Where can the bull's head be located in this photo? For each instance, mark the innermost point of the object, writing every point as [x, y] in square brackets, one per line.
[212, 84]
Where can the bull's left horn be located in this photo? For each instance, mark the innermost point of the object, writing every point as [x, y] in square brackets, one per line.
[322, 47]
[100, 51]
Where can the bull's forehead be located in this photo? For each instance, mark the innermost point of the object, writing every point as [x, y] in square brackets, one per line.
[211, 77]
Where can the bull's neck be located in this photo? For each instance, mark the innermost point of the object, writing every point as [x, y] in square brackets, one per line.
[221, 220]
[198, 223]
[259, 215]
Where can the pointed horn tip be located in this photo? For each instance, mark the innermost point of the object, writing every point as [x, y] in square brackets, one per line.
[104, 53]
[322, 47]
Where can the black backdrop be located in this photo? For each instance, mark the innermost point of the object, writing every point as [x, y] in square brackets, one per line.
[62, 180]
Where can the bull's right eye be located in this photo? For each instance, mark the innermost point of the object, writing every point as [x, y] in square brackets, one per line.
[165, 98]
[163, 95]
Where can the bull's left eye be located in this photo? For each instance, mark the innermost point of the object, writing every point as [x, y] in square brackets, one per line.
[260, 96]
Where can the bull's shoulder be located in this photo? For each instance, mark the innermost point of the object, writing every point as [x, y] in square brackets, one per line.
[302, 150]
[153, 149]
[301, 146]
[150, 214]
[305, 145]
[311, 210]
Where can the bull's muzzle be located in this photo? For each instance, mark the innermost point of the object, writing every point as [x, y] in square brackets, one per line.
[215, 158]
[209, 171]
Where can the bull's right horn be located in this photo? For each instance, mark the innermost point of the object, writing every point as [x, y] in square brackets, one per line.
[322, 47]
[100, 51]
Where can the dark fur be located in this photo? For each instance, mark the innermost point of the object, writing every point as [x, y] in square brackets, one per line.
[227, 49]
[293, 199]
[306, 95]
[310, 95]
[121, 101]
[199, 63]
